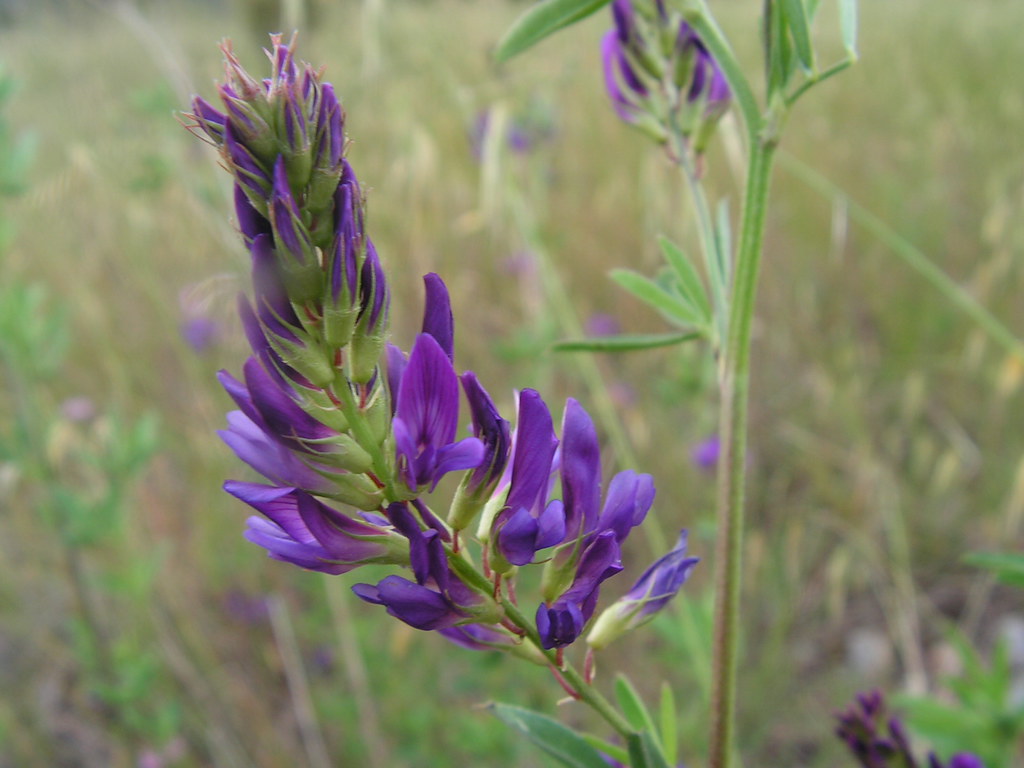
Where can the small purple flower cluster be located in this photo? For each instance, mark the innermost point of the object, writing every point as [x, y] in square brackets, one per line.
[659, 74]
[880, 741]
[352, 434]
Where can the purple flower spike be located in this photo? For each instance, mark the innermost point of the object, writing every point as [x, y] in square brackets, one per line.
[426, 416]
[651, 592]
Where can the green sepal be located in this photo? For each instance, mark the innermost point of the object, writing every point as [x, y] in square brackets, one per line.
[347, 454]
[377, 413]
[323, 183]
[305, 358]
[338, 323]
[466, 505]
[299, 167]
[365, 351]
[355, 490]
[491, 509]
[559, 572]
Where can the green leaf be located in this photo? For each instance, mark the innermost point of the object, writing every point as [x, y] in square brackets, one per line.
[614, 751]
[632, 705]
[644, 752]
[675, 309]
[800, 28]
[1007, 566]
[848, 25]
[544, 19]
[626, 343]
[689, 280]
[667, 716]
[562, 743]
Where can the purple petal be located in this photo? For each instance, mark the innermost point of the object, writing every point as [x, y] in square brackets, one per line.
[559, 625]
[581, 470]
[412, 603]
[250, 222]
[534, 451]
[628, 500]
[437, 314]
[493, 430]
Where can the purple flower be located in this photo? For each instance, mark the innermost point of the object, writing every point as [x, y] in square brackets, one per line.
[426, 418]
[438, 599]
[705, 454]
[562, 620]
[662, 80]
[492, 430]
[301, 530]
[651, 592]
[878, 740]
[526, 523]
[590, 549]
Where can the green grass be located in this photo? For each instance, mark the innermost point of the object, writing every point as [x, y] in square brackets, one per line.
[887, 432]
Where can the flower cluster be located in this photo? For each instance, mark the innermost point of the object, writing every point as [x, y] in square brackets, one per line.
[659, 74]
[352, 434]
[879, 741]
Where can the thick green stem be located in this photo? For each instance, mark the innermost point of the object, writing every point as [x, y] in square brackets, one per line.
[732, 463]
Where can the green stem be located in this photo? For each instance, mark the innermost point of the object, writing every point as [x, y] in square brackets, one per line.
[732, 464]
[363, 435]
[706, 231]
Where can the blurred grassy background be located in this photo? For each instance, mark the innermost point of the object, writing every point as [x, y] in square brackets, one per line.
[886, 431]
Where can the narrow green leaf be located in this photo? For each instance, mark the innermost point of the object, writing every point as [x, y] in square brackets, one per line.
[541, 20]
[626, 343]
[673, 308]
[800, 28]
[689, 280]
[848, 25]
[644, 752]
[1007, 566]
[562, 743]
[669, 727]
[632, 705]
